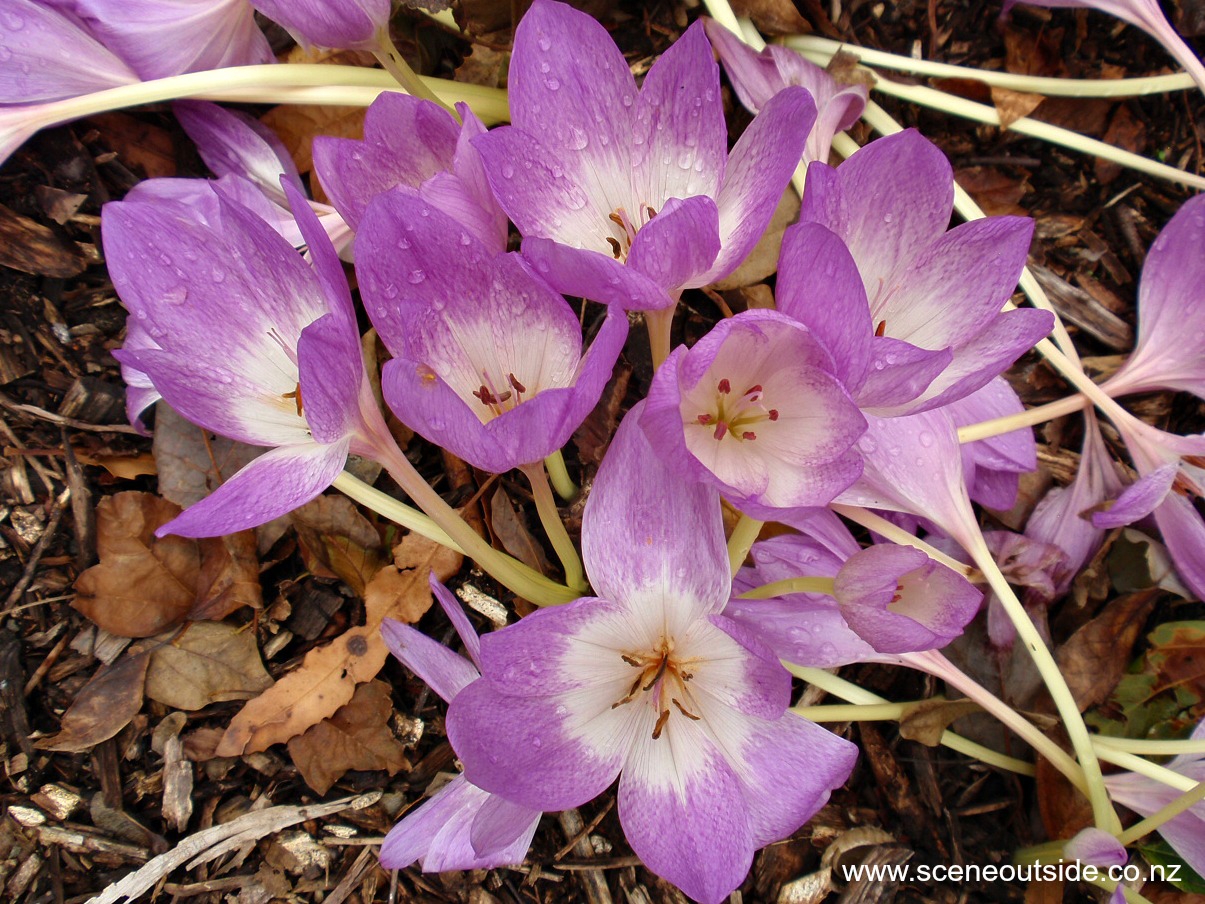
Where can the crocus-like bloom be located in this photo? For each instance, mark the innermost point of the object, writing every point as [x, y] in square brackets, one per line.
[461, 827]
[928, 327]
[757, 77]
[243, 337]
[1145, 14]
[649, 683]
[1170, 352]
[158, 38]
[887, 600]
[487, 359]
[1097, 847]
[754, 409]
[993, 466]
[48, 55]
[341, 24]
[234, 145]
[590, 161]
[413, 142]
[1144, 795]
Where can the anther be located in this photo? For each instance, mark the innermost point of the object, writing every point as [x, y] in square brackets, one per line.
[616, 249]
[652, 213]
[720, 430]
[661, 720]
[486, 397]
[631, 660]
[518, 387]
[660, 671]
[748, 434]
[772, 414]
[724, 386]
[682, 709]
[881, 328]
[706, 419]
[295, 395]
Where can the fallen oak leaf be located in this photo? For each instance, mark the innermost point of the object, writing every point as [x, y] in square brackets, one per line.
[356, 737]
[207, 662]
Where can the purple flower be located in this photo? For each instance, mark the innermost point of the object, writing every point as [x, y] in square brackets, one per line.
[48, 55]
[1170, 353]
[887, 600]
[757, 77]
[992, 466]
[487, 359]
[753, 409]
[236, 146]
[590, 161]
[651, 684]
[342, 24]
[243, 337]
[461, 827]
[1145, 14]
[1143, 795]
[413, 142]
[158, 38]
[927, 326]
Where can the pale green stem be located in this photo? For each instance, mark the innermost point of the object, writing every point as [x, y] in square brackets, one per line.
[790, 585]
[266, 83]
[559, 475]
[847, 690]
[1151, 747]
[659, 324]
[741, 541]
[897, 534]
[852, 712]
[554, 527]
[395, 64]
[1132, 896]
[1144, 767]
[397, 512]
[506, 570]
[935, 664]
[1077, 732]
[1193, 796]
[1028, 418]
[948, 103]
[821, 50]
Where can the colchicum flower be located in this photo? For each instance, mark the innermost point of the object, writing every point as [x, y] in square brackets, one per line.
[338, 24]
[757, 77]
[651, 684]
[590, 161]
[993, 466]
[754, 409]
[461, 827]
[412, 142]
[487, 359]
[241, 336]
[928, 326]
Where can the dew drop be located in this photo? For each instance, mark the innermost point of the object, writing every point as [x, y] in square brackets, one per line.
[545, 43]
[403, 244]
[414, 277]
[579, 139]
[926, 438]
[391, 291]
[176, 295]
[508, 171]
[552, 84]
[218, 274]
[464, 239]
[13, 22]
[888, 218]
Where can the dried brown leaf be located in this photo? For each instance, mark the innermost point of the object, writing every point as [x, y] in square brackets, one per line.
[357, 737]
[143, 584]
[123, 467]
[763, 259]
[338, 541]
[327, 677]
[229, 578]
[1096, 656]
[208, 662]
[104, 706]
[516, 539]
[773, 17]
[298, 124]
[191, 462]
[927, 720]
[1125, 131]
[1013, 105]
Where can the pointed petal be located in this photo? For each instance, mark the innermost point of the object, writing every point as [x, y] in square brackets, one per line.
[329, 378]
[631, 528]
[899, 374]
[678, 244]
[502, 829]
[598, 277]
[1184, 533]
[233, 143]
[445, 672]
[458, 618]
[346, 24]
[272, 485]
[759, 168]
[1139, 499]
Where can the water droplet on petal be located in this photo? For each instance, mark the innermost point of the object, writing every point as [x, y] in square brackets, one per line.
[579, 139]
[926, 438]
[414, 277]
[544, 43]
[508, 171]
[552, 84]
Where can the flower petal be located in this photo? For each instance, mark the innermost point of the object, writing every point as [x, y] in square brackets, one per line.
[1140, 498]
[456, 615]
[598, 277]
[272, 485]
[681, 242]
[632, 539]
[445, 672]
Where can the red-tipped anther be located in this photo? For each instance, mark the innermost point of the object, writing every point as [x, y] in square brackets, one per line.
[881, 328]
[772, 414]
[515, 384]
[748, 434]
[706, 419]
[724, 386]
[720, 430]
[753, 389]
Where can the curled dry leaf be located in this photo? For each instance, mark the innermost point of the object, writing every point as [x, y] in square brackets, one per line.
[357, 737]
[208, 662]
[338, 541]
[327, 677]
[103, 707]
[1096, 656]
[927, 720]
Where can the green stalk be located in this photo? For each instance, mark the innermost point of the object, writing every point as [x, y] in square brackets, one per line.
[559, 475]
[554, 527]
[659, 324]
[397, 512]
[1028, 418]
[395, 64]
[1151, 747]
[897, 534]
[741, 541]
[789, 585]
[1153, 771]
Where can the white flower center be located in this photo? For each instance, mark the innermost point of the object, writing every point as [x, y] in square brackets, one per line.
[735, 416]
[663, 681]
